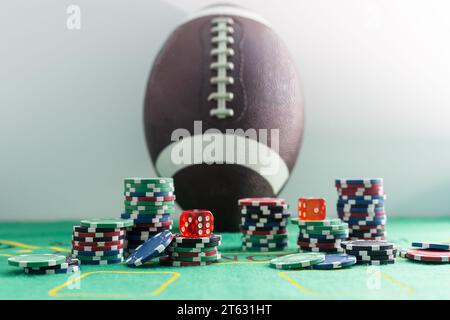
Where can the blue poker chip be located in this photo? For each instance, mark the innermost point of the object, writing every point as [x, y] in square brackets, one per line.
[150, 249]
[346, 218]
[148, 194]
[335, 261]
[343, 209]
[431, 246]
[358, 203]
[352, 222]
[359, 181]
[361, 198]
[146, 218]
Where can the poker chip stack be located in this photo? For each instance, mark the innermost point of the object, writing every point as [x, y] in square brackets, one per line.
[99, 241]
[150, 203]
[45, 263]
[361, 204]
[186, 251]
[428, 252]
[373, 252]
[264, 224]
[321, 235]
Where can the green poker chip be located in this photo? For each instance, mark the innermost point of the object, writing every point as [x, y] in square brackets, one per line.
[145, 189]
[337, 227]
[198, 259]
[324, 232]
[37, 260]
[318, 223]
[107, 223]
[297, 260]
[156, 180]
[148, 204]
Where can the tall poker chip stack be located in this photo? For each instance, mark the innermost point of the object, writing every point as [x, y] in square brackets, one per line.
[321, 235]
[149, 203]
[361, 204]
[99, 241]
[264, 224]
[188, 252]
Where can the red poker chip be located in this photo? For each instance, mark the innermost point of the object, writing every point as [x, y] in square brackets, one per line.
[360, 192]
[428, 255]
[97, 243]
[165, 198]
[358, 186]
[332, 245]
[261, 202]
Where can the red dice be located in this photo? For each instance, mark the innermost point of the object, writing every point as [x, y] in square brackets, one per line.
[312, 208]
[196, 223]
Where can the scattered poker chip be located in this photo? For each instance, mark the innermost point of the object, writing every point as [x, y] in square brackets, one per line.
[150, 249]
[167, 261]
[261, 202]
[367, 245]
[101, 262]
[213, 238]
[91, 248]
[37, 260]
[97, 230]
[428, 255]
[297, 260]
[106, 223]
[430, 245]
[42, 271]
[335, 261]
[97, 253]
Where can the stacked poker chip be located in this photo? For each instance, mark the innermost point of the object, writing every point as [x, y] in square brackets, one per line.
[361, 204]
[373, 252]
[189, 251]
[45, 263]
[99, 241]
[150, 203]
[321, 235]
[264, 224]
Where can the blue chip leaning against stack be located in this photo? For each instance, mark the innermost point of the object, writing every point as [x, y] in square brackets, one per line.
[150, 203]
[264, 224]
[361, 205]
[321, 235]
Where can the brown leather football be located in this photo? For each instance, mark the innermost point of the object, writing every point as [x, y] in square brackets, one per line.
[222, 70]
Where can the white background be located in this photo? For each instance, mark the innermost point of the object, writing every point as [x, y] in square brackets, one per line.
[376, 78]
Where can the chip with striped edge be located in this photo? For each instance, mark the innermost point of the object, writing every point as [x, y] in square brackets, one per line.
[297, 260]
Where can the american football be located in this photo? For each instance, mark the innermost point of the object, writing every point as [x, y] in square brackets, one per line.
[223, 111]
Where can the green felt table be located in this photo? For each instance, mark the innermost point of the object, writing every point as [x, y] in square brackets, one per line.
[239, 275]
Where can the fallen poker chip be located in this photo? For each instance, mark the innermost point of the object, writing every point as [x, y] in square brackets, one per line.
[431, 245]
[213, 238]
[150, 249]
[261, 202]
[106, 223]
[368, 245]
[427, 255]
[335, 261]
[36, 260]
[297, 260]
